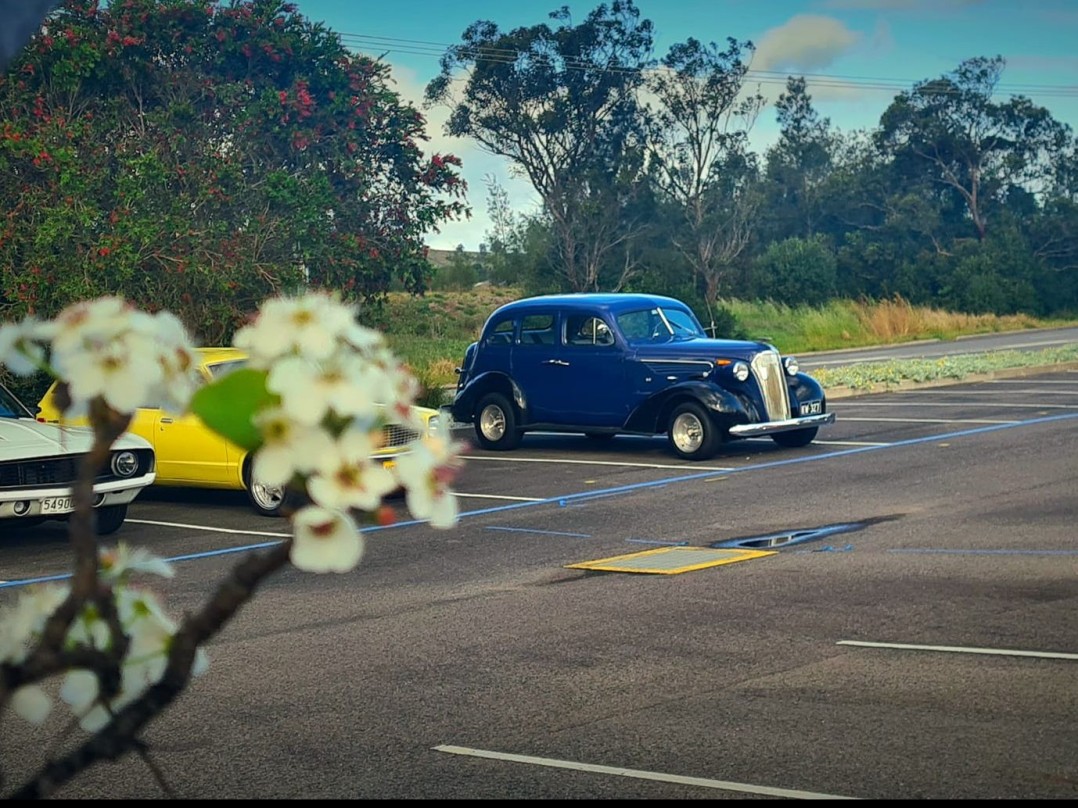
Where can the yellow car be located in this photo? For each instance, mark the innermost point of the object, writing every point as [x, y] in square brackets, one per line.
[190, 455]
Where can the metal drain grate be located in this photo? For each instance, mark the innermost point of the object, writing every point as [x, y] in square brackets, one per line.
[670, 560]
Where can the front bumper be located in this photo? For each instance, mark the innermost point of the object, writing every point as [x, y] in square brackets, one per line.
[32, 502]
[789, 425]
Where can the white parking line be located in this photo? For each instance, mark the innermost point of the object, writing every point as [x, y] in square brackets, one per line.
[599, 463]
[498, 496]
[999, 405]
[640, 774]
[210, 529]
[850, 442]
[929, 421]
[1039, 381]
[957, 649]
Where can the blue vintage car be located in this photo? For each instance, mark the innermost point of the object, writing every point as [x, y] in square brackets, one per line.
[609, 364]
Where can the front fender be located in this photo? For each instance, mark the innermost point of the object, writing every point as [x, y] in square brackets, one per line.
[803, 387]
[651, 415]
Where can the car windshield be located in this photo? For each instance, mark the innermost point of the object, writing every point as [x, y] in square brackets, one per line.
[10, 407]
[658, 324]
[219, 369]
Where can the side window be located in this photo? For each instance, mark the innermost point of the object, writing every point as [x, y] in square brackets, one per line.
[587, 329]
[501, 334]
[537, 329]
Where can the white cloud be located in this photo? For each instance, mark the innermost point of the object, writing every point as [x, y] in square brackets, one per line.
[477, 165]
[807, 42]
[898, 5]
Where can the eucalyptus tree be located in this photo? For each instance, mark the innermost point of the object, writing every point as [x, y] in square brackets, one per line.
[560, 103]
[951, 131]
[797, 167]
[201, 156]
[700, 159]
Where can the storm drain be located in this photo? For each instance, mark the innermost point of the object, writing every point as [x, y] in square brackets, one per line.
[670, 560]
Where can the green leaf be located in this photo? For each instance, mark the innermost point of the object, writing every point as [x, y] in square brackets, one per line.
[226, 405]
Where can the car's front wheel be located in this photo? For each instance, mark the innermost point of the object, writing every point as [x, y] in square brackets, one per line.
[693, 435]
[496, 423]
[795, 438]
[109, 518]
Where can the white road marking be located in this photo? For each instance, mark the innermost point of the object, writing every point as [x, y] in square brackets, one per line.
[498, 496]
[955, 649]
[598, 463]
[929, 421]
[640, 774]
[210, 529]
[1024, 391]
[848, 402]
[1039, 381]
[850, 442]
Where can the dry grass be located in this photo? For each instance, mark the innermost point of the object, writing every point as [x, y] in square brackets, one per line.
[895, 320]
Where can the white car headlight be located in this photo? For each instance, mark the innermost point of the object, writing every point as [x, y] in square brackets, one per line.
[434, 425]
[791, 366]
[124, 464]
[740, 371]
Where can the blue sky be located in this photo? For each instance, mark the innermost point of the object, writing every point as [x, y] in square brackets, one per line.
[855, 54]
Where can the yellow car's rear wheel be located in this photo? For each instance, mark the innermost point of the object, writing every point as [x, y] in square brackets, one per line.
[268, 500]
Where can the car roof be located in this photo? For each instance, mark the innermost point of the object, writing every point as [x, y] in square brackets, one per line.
[609, 301]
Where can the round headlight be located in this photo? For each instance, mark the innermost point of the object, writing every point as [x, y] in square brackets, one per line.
[740, 371]
[434, 425]
[791, 365]
[124, 464]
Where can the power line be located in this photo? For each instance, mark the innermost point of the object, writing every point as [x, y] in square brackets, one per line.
[368, 44]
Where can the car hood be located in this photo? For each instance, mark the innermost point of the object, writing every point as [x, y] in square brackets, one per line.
[22, 438]
[703, 349]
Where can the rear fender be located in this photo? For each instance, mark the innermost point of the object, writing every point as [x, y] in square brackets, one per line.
[464, 403]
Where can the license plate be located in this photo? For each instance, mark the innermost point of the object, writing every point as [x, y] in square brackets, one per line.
[388, 464]
[57, 505]
[810, 408]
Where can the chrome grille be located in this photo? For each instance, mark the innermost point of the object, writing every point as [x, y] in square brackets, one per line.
[769, 374]
[398, 435]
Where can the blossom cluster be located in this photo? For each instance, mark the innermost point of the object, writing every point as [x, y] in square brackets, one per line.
[149, 631]
[328, 387]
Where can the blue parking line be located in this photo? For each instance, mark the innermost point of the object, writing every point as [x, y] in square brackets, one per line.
[565, 499]
[941, 551]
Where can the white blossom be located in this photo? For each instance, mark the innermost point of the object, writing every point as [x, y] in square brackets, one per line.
[325, 540]
[288, 447]
[426, 472]
[347, 477]
[19, 350]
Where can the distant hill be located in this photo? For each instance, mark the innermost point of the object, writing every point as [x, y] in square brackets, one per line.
[441, 258]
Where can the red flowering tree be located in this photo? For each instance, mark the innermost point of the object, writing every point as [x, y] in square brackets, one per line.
[200, 156]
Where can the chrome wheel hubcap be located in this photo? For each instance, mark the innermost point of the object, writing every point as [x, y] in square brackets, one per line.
[268, 497]
[687, 432]
[492, 422]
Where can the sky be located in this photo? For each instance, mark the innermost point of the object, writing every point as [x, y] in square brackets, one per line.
[855, 55]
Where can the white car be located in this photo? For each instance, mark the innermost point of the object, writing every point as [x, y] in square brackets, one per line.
[39, 463]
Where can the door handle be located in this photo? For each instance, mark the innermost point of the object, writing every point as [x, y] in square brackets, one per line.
[166, 420]
[555, 362]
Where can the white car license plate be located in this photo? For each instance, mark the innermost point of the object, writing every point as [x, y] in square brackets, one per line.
[57, 505]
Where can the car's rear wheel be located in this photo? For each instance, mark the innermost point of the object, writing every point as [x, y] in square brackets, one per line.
[496, 423]
[109, 518]
[692, 434]
[267, 500]
[795, 438]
